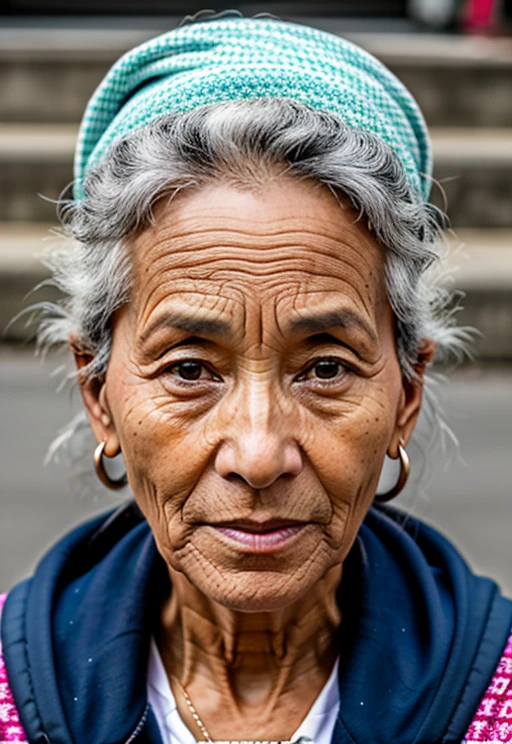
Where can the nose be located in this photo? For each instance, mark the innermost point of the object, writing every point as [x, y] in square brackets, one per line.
[259, 446]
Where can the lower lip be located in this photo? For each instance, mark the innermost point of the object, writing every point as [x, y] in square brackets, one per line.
[261, 542]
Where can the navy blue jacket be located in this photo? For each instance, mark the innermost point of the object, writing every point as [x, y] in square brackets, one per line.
[420, 640]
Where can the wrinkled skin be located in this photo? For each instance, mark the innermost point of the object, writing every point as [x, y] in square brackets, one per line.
[254, 376]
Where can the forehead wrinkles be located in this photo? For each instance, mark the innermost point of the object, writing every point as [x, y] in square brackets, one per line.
[185, 245]
[208, 218]
[258, 258]
[238, 293]
[327, 259]
[204, 298]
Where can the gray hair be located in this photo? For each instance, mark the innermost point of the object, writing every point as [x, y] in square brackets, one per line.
[243, 142]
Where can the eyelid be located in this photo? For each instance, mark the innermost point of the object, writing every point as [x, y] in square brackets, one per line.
[196, 341]
[177, 355]
[330, 339]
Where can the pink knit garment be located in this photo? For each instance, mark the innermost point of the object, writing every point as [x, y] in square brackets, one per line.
[491, 725]
[10, 726]
[493, 720]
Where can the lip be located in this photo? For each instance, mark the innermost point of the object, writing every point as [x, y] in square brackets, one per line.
[265, 537]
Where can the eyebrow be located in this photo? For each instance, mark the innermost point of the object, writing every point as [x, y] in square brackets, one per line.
[182, 322]
[323, 321]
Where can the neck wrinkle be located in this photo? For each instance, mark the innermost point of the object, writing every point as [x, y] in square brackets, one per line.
[251, 659]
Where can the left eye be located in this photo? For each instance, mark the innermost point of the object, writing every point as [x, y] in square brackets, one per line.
[189, 370]
[325, 369]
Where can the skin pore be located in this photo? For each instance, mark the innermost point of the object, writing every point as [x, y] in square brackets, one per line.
[254, 390]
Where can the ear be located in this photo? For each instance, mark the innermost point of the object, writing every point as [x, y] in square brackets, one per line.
[411, 397]
[94, 396]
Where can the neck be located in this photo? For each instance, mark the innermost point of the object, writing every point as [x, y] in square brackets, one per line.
[251, 664]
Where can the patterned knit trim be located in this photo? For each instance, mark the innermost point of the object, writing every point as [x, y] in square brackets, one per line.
[492, 723]
[10, 726]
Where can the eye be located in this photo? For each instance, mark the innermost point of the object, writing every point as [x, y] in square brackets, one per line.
[325, 369]
[190, 370]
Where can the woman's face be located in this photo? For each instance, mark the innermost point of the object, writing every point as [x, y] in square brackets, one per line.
[254, 387]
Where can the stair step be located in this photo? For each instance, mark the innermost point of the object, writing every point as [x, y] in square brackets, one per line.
[37, 143]
[484, 273]
[451, 144]
[48, 75]
[463, 146]
[478, 257]
[481, 259]
[473, 168]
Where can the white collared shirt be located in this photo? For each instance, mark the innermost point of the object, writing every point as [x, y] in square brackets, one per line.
[317, 726]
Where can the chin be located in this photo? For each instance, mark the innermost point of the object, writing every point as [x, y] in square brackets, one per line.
[255, 591]
[259, 596]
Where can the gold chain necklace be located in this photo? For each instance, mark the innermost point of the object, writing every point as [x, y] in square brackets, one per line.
[204, 731]
[195, 715]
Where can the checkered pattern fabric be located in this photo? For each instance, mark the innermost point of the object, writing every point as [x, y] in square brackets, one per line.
[243, 58]
[493, 719]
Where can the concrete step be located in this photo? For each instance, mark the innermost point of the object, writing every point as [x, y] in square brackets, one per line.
[47, 75]
[35, 166]
[484, 273]
[473, 168]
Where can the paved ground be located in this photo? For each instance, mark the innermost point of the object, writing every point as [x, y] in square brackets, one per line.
[470, 500]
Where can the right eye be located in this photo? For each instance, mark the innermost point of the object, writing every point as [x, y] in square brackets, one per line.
[190, 370]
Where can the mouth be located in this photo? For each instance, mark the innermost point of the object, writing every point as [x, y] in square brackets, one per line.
[269, 536]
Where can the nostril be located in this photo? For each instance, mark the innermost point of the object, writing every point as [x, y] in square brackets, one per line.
[235, 478]
[257, 483]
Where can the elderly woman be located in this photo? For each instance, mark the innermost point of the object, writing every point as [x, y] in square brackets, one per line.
[249, 311]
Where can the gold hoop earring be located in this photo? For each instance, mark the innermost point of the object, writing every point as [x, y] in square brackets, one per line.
[113, 483]
[405, 468]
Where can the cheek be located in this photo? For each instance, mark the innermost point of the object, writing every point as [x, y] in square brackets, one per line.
[348, 457]
[163, 454]
[355, 441]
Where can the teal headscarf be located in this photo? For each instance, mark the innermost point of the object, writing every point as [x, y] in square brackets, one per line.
[241, 58]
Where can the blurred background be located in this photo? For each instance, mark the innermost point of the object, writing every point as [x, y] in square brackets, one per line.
[456, 58]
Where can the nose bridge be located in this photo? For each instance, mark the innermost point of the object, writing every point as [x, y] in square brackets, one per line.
[260, 445]
[261, 408]
[265, 416]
